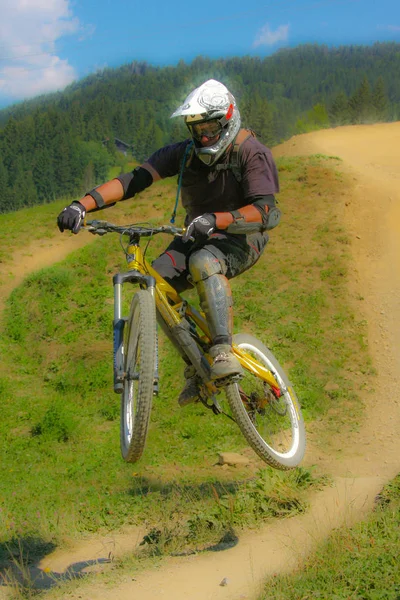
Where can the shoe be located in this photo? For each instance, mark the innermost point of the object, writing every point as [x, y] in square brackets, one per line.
[225, 363]
[191, 390]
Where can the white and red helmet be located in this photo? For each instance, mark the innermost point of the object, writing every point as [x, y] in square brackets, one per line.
[211, 103]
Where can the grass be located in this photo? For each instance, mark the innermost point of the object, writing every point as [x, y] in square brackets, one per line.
[360, 563]
[231, 506]
[20, 228]
[60, 416]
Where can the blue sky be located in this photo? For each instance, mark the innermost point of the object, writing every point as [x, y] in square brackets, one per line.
[47, 44]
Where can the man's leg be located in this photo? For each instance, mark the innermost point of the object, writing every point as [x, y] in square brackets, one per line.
[172, 266]
[221, 258]
[216, 302]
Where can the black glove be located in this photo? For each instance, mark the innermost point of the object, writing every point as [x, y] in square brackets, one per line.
[71, 217]
[200, 227]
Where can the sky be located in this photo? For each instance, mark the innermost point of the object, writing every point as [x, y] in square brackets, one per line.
[47, 44]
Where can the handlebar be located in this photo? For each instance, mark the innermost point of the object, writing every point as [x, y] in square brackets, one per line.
[135, 229]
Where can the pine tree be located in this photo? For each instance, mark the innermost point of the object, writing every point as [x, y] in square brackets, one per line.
[360, 103]
[88, 178]
[318, 116]
[3, 187]
[340, 112]
[25, 189]
[257, 115]
[379, 100]
[178, 131]
[314, 119]
[44, 176]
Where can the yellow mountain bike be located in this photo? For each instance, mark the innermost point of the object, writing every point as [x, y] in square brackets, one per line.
[262, 403]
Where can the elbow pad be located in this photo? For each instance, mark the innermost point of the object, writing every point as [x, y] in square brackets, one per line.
[261, 215]
[134, 182]
[271, 215]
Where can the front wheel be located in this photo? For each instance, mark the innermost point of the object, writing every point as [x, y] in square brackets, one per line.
[270, 420]
[139, 363]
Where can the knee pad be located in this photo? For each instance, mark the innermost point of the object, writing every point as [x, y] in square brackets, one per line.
[207, 271]
[216, 302]
[203, 264]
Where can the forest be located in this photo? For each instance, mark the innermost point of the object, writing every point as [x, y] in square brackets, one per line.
[62, 144]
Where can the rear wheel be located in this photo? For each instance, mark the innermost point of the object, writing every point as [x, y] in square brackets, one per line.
[270, 420]
[139, 364]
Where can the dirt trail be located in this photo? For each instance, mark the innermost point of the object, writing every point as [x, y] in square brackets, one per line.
[37, 255]
[368, 458]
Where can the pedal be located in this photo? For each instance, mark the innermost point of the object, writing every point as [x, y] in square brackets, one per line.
[223, 381]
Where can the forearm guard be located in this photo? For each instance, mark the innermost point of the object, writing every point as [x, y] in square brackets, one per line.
[134, 182]
[261, 215]
[108, 193]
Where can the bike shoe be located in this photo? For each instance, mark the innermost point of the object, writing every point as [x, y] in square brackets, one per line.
[225, 363]
[191, 389]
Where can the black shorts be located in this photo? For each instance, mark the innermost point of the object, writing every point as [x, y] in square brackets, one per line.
[235, 252]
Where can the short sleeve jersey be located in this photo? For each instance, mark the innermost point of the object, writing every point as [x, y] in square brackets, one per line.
[207, 189]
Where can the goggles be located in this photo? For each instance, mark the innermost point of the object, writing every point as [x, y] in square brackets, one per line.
[208, 129]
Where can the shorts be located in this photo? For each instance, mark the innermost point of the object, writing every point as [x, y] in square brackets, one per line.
[235, 252]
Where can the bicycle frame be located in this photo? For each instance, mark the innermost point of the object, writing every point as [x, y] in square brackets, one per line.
[262, 403]
[173, 309]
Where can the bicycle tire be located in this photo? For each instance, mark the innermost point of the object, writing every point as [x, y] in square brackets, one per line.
[139, 363]
[273, 427]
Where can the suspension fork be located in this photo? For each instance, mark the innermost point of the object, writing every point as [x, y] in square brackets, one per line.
[119, 324]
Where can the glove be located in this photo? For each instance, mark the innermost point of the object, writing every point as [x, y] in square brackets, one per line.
[200, 227]
[71, 217]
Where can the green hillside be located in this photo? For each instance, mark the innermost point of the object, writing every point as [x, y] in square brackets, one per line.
[62, 475]
[63, 144]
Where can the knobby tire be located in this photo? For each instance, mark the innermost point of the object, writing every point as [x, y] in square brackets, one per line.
[139, 359]
[273, 427]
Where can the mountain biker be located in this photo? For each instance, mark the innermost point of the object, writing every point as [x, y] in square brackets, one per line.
[229, 209]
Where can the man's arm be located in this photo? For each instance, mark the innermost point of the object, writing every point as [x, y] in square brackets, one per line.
[122, 187]
[259, 215]
[259, 184]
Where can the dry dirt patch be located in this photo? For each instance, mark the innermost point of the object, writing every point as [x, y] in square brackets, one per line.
[37, 255]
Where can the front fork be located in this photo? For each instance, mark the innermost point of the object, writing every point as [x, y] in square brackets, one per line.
[119, 325]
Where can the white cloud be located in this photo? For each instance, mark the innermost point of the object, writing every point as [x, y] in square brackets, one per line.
[29, 30]
[395, 28]
[267, 37]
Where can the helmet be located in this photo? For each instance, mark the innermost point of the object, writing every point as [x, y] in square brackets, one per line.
[210, 110]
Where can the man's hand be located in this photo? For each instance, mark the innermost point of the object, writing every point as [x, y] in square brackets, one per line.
[71, 217]
[200, 228]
